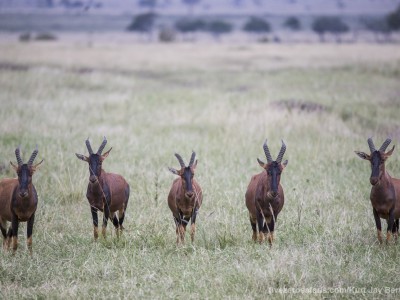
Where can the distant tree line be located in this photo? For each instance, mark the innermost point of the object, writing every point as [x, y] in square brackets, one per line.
[259, 26]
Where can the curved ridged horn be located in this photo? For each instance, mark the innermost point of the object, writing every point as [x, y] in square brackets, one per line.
[281, 153]
[266, 151]
[371, 145]
[88, 146]
[180, 160]
[103, 144]
[192, 158]
[33, 156]
[18, 156]
[385, 145]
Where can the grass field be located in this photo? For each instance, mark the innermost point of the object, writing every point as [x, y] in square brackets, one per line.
[153, 100]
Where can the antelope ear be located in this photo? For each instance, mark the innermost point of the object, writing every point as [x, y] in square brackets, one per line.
[194, 165]
[263, 165]
[14, 166]
[285, 163]
[35, 167]
[387, 154]
[82, 157]
[173, 171]
[363, 155]
[106, 154]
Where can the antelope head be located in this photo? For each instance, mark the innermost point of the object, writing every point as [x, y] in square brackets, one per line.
[187, 174]
[25, 172]
[273, 168]
[377, 159]
[94, 160]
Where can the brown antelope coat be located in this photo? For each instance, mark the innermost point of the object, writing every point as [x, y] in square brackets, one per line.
[385, 191]
[18, 201]
[107, 192]
[185, 198]
[265, 197]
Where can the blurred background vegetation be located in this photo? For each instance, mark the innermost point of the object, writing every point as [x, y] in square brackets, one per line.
[193, 20]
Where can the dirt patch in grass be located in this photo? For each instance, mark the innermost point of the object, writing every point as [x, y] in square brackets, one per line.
[299, 105]
[14, 67]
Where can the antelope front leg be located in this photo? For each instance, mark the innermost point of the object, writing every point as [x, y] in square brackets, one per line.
[378, 225]
[9, 237]
[29, 229]
[95, 222]
[3, 227]
[260, 223]
[395, 230]
[14, 226]
[193, 224]
[390, 225]
[180, 231]
[116, 225]
[106, 215]
[271, 227]
[253, 223]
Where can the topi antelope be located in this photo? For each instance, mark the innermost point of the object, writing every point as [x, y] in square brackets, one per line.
[264, 195]
[385, 191]
[185, 198]
[18, 201]
[106, 192]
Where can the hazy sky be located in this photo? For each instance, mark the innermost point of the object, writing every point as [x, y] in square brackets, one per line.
[273, 6]
[233, 6]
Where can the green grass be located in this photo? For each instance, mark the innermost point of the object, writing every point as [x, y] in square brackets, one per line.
[151, 101]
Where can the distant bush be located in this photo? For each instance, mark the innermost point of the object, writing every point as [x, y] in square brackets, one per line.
[378, 26]
[257, 25]
[25, 37]
[334, 25]
[143, 22]
[189, 25]
[393, 20]
[167, 35]
[219, 27]
[45, 36]
[292, 23]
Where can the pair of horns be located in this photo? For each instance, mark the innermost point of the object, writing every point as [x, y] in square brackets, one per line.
[101, 148]
[31, 159]
[268, 154]
[181, 162]
[382, 148]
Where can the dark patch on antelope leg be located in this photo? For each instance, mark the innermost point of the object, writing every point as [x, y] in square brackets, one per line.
[395, 230]
[254, 228]
[271, 228]
[95, 222]
[193, 223]
[260, 223]
[116, 224]
[390, 225]
[121, 220]
[29, 230]
[378, 225]
[14, 226]
[115, 221]
[106, 215]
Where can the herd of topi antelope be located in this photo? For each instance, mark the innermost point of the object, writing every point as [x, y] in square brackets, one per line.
[109, 193]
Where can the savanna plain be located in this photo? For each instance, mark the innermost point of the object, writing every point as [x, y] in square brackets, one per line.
[221, 100]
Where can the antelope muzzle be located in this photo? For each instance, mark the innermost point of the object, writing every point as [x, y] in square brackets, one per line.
[93, 178]
[189, 194]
